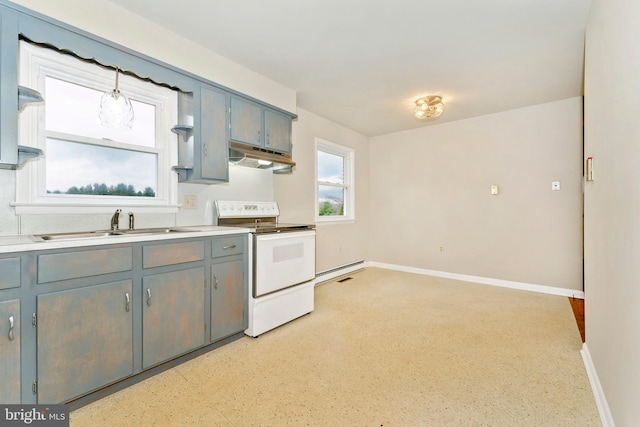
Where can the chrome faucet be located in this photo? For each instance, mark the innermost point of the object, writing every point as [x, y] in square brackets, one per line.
[115, 218]
[131, 220]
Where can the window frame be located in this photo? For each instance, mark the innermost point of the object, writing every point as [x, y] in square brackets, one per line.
[348, 154]
[31, 198]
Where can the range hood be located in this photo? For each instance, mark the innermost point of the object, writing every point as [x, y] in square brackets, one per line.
[259, 158]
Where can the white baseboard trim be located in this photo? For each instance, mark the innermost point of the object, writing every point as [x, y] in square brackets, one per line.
[334, 273]
[596, 387]
[484, 280]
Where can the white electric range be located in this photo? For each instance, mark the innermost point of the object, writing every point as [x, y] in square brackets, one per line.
[282, 267]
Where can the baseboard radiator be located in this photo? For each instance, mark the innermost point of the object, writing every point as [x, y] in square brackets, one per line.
[343, 270]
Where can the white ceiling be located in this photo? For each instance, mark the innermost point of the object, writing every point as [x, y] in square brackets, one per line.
[362, 63]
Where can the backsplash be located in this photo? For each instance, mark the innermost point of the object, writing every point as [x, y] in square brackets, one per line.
[9, 222]
[244, 184]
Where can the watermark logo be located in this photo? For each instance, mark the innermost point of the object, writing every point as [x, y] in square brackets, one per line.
[34, 415]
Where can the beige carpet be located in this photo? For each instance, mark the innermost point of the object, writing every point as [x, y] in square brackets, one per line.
[383, 349]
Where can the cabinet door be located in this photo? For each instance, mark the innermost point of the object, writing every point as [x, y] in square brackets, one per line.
[228, 300]
[173, 314]
[246, 122]
[277, 127]
[8, 88]
[215, 148]
[10, 351]
[85, 340]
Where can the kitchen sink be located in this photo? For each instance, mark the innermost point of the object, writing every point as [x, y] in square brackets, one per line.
[75, 235]
[82, 235]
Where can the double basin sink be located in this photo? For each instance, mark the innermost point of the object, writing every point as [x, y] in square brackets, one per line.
[81, 235]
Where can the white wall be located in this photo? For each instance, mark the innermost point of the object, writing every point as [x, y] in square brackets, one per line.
[244, 184]
[9, 223]
[612, 203]
[336, 244]
[430, 188]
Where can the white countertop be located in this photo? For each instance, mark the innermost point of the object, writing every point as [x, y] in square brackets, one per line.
[19, 243]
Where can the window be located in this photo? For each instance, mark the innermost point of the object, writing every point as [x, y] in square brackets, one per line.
[334, 182]
[89, 168]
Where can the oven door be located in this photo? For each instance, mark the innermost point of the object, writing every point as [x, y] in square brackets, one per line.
[282, 260]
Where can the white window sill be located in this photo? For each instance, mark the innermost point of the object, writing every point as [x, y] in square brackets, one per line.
[334, 221]
[79, 209]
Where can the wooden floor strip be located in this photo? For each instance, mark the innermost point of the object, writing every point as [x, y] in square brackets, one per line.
[578, 311]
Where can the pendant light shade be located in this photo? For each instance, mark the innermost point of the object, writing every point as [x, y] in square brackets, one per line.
[116, 110]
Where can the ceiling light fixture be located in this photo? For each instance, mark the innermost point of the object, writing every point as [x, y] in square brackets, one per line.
[116, 110]
[428, 107]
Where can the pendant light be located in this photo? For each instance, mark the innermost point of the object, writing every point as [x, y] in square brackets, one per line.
[116, 110]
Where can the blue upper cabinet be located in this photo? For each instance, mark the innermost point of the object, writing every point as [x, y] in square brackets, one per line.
[277, 128]
[246, 121]
[203, 146]
[214, 154]
[8, 88]
[261, 126]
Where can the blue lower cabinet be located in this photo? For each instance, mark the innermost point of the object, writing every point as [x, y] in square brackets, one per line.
[104, 314]
[228, 299]
[84, 340]
[173, 314]
[10, 351]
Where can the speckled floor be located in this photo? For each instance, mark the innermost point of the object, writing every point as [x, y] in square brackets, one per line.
[383, 349]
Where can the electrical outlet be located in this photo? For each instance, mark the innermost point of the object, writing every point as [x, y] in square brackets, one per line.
[555, 185]
[190, 202]
[494, 189]
[442, 249]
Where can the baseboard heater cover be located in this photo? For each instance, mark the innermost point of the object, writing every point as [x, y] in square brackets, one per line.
[331, 274]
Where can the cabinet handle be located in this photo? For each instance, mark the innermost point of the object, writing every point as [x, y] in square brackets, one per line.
[228, 247]
[215, 279]
[127, 305]
[11, 337]
[148, 297]
[268, 140]
[259, 136]
[204, 149]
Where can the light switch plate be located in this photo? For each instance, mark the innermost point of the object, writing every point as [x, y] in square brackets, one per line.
[555, 185]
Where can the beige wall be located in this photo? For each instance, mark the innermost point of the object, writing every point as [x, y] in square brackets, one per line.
[336, 244]
[430, 187]
[612, 203]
